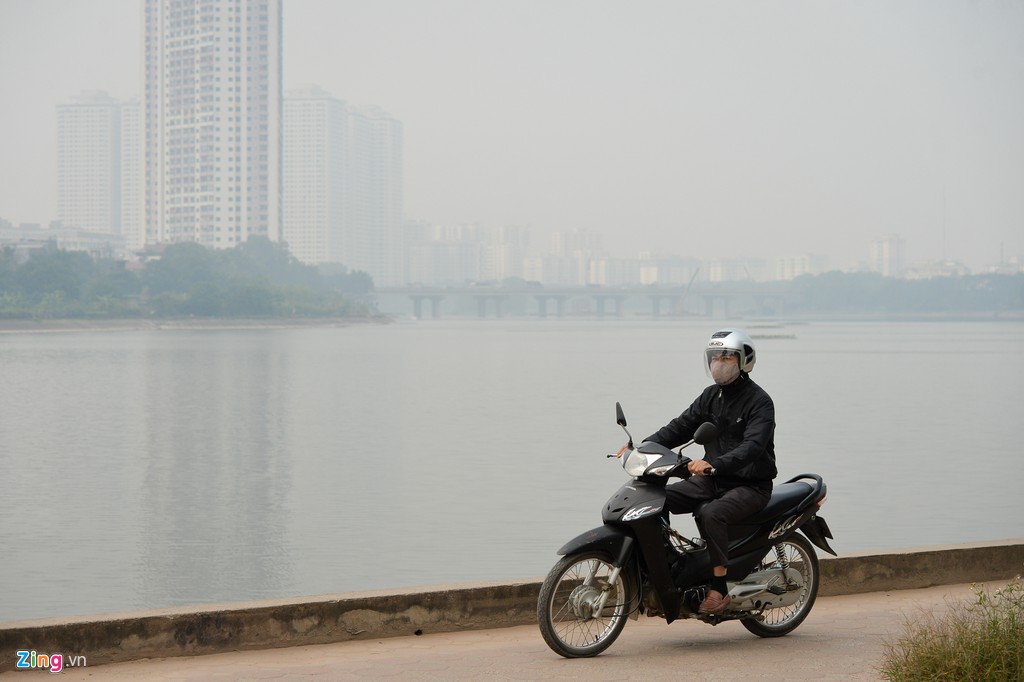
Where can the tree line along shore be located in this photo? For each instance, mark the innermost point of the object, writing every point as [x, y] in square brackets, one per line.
[259, 283]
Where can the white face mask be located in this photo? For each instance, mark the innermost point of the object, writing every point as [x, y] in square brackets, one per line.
[724, 373]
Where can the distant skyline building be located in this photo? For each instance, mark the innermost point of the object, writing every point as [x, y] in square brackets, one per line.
[458, 255]
[89, 163]
[375, 196]
[791, 267]
[315, 141]
[343, 185]
[576, 241]
[211, 114]
[887, 256]
[133, 159]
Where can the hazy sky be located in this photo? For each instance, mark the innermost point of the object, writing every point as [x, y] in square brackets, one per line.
[691, 127]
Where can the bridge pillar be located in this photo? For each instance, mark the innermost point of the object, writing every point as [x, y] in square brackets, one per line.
[674, 304]
[711, 301]
[435, 305]
[481, 305]
[542, 305]
[600, 300]
[769, 305]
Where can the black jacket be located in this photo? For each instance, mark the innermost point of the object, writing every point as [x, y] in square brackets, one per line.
[743, 453]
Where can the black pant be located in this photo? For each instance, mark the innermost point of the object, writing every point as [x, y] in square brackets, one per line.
[724, 506]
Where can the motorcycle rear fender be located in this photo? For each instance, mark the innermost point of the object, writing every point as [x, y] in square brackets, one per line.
[816, 531]
[751, 540]
[615, 541]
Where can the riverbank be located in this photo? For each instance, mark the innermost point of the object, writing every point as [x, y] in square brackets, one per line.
[28, 326]
[843, 640]
[21, 326]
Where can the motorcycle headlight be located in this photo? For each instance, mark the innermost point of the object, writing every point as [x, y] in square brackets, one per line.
[636, 463]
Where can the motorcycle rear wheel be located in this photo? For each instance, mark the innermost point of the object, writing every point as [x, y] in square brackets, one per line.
[782, 620]
[565, 605]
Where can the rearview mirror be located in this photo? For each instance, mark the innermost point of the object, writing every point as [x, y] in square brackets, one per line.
[620, 418]
[705, 433]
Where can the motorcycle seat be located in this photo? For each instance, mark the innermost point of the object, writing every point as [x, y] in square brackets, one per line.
[785, 496]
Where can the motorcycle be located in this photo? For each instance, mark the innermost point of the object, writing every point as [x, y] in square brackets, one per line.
[636, 563]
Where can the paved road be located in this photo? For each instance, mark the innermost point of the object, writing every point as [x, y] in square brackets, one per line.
[842, 639]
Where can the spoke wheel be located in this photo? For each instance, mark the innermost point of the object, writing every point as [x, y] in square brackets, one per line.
[800, 555]
[567, 609]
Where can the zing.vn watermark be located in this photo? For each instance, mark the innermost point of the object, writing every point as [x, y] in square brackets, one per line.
[28, 660]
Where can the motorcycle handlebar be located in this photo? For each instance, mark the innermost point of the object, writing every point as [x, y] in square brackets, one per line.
[710, 471]
[684, 460]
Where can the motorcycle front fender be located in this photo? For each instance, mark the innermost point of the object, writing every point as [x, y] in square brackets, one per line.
[618, 542]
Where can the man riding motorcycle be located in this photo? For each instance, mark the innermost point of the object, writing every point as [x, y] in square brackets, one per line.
[734, 479]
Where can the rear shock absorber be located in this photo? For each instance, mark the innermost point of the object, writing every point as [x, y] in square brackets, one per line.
[780, 554]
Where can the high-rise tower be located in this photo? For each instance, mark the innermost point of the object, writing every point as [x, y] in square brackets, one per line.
[133, 219]
[315, 154]
[343, 185]
[212, 120]
[89, 163]
[386, 201]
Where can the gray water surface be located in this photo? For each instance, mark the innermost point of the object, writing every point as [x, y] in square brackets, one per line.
[148, 469]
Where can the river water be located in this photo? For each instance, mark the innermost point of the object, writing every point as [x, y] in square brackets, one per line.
[156, 468]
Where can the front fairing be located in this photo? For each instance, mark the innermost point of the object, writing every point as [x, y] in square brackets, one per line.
[636, 500]
[637, 509]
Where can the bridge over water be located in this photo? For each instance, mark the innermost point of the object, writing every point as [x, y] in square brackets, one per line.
[541, 301]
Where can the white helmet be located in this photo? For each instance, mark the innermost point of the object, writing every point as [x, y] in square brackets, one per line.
[731, 340]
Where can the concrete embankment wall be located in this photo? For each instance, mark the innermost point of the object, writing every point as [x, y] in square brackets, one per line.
[370, 615]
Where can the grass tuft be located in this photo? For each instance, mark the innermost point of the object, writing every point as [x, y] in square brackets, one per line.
[978, 641]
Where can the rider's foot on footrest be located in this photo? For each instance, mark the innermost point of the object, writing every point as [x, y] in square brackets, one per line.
[714, 603]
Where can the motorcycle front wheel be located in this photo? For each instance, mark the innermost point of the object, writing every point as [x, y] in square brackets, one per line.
[796, 553]
[572, 620]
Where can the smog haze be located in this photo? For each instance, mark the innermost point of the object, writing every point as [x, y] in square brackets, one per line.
[693, 128]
